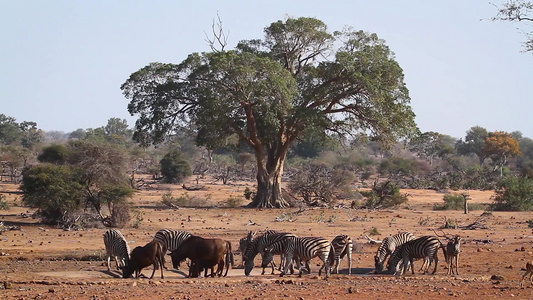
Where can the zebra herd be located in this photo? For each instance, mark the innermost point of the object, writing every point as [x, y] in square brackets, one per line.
[401, 250]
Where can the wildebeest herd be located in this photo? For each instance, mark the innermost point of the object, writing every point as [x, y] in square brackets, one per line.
[401, 250]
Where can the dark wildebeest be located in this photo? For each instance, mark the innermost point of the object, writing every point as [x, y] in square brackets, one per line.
[142, 257]
[204, 253]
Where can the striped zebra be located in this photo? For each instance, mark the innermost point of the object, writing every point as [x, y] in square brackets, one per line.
[388, 246]
[342, 246]
[303, 249]
[425, 247]
[257, 245]
[117, 247]
[170, 239]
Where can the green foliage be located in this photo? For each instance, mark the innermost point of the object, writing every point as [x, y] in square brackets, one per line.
[3, 203]
[474, 143]
[54, 154]
[54, 190]
[138, 218]
[374, 231]
[270, 92]
[397, 167]
[175, 167]
[451, 202]
[431, 144]
[384, 195]
[515, 194]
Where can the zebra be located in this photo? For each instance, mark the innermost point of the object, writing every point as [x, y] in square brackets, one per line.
[453, 248]
[258, 245]
[425, 247]
[388, 246]
[170, 239]
[303, 249]
[342, 246]
[117, 247]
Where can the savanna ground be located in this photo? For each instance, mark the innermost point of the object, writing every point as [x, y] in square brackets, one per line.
[45, 262]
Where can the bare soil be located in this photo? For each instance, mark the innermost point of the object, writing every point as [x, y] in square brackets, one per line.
[44, 262]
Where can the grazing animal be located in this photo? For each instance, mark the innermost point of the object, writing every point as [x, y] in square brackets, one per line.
[117, 247]
[529, 271]
[453, 248]
[258, 245]
[171, 239]
[388, 246]
[142, 257]
[302, 249]
[204, 254]
[425, 247]
[342, 246]
[243, 243]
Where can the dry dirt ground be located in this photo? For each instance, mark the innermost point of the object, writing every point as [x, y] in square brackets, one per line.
[44, 262]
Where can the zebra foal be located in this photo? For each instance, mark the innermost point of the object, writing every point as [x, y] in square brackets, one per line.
[117, 247]
[425, 247]
[301, 249]
[342, 246]
[388, 246]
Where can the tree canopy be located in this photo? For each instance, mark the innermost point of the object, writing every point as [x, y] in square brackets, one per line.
[269, 92]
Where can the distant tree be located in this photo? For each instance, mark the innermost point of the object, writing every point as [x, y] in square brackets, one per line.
[474, 143]
[99, 169]
[270, 91]
[16, 159]
[30, 134]
[500, 146]
[431, 144]
[116, 126]
[397, 167]
[525, 161]
[518, 11]
[78, 134]
[10, 132]
[175, 167]
[55, 154]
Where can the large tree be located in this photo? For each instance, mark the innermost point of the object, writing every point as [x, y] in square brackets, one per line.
[518, 11]
[474, 143]
[500, 146]
[270, 91]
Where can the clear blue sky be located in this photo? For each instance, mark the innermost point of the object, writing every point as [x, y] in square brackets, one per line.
[62, 62]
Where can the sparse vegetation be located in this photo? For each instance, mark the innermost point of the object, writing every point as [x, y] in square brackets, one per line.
[514, 193]
[234, 202]
[3, 203]
[184, 200]
[384, 195]
[529, 223]
[374, 231]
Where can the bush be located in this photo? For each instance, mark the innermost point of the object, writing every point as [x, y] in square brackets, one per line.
[120, 215]
[54, 190]
[529, 223]
[384, 195]
[513, 193]
[452, 202]
[3, 203]
[184, 200]
[54, 154]
[234, 202]
[175, 167]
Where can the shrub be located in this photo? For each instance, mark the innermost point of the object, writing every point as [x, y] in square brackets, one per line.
[234, 202]
[384, 195]
[451, 201]
[184, 200]
[3, 203]
[175, 167]
[374, 231]
[120, 215]
[54, 190]
[513, 193]
[54, 154]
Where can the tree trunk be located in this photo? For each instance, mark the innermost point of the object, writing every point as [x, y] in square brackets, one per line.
[269, 189]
